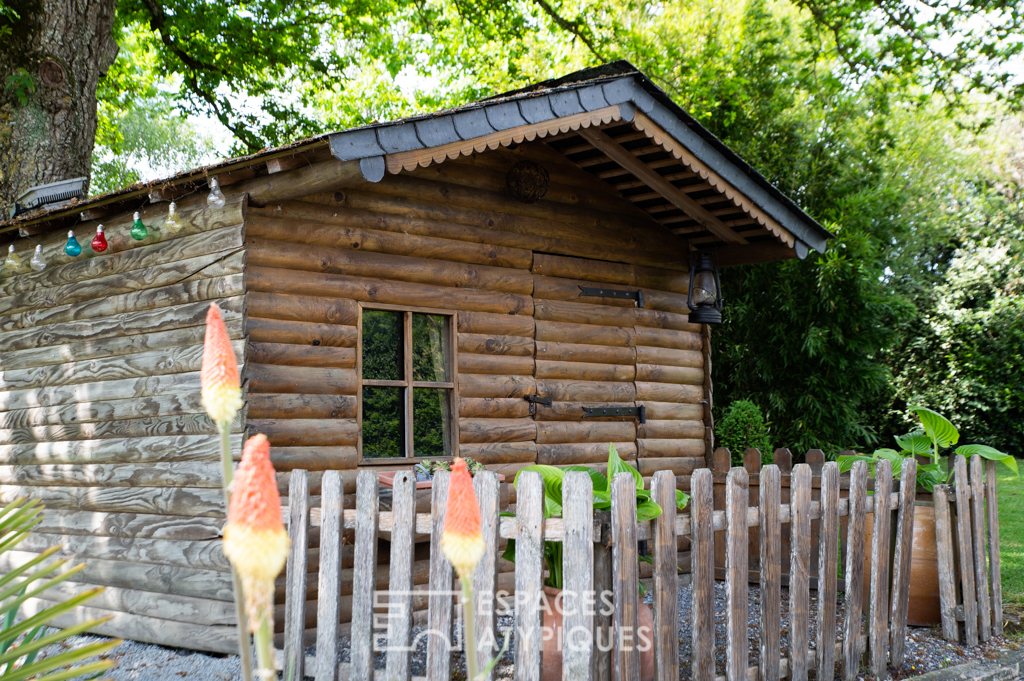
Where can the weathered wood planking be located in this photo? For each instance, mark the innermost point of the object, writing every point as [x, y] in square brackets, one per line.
[854, 571]
[329, 585]
[946, 563]
[400, 599]
[439, 620]
[965, 550]
[828, 563]
[901, 562]
[364, 569]
[980, 562]
[736, 576]
[625, 655]
[992, 510]
[799, 571]
[769, 506]
[485, 576]
[529, 553]
[295, 608]
[878, 616]
[666, 579]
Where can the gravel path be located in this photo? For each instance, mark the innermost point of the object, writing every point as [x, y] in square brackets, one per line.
[926, 651]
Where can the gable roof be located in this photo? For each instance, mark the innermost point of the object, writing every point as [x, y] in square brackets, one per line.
[611, 94]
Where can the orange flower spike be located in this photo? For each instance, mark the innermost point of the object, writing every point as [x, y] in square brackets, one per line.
[255, 540]
[221, 386]
[462, 542]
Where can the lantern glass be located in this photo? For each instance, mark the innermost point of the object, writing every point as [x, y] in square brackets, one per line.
[704, 290]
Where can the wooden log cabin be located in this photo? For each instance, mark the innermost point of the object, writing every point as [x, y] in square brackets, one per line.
[399, 291]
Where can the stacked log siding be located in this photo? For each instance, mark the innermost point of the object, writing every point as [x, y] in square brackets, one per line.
[100, 419]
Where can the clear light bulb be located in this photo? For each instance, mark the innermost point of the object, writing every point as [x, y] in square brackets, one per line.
[139, 231]
[99, 242]
[72, 247]
[216, 196]
[37, 262]
[173, 223]
[13, 262]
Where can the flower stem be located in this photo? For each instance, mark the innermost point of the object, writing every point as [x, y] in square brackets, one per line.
[243, 627]
[469, 626]
[265, 652]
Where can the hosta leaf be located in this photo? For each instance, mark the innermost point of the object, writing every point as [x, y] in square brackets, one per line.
[893, 457]
[682, 499]
[552, 476]
[616, 465]
[915, 443]
[596, 476]
[846, 461]
[986, 452]
[647, 510]
[941, 431]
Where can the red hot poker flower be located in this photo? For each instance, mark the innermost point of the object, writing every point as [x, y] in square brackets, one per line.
[221, 386]
[462, 542]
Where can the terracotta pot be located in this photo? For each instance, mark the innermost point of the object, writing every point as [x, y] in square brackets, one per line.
[551, 658]
[923, 609]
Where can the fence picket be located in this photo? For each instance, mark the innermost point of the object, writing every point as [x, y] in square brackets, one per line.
[666, 579]
[854, 572]
[439, 606]
[702, 557]
[328, 606]
[770, 516]
[364, 576]
[736, 577]
[980, 564]
[529, 575]
[603, 590]
[625, 579]
[947, 565]
[901, 563]
[578, 574]
[993, 547]
[403, 507]
[878, 621]
[966, 550]
[485, 577]
[828, 559]
[295, 575]
[799, 570]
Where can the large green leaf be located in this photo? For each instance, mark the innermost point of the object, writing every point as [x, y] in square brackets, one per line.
[682, 499]
[942, 432]
[915, 443]
[846, 461]
[616, 465]
[596, 476]
[552, 477]
[647, 510]
[986, 452]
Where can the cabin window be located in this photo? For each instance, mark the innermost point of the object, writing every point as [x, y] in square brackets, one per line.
[407, 384]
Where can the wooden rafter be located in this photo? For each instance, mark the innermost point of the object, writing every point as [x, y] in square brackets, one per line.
[655, 181]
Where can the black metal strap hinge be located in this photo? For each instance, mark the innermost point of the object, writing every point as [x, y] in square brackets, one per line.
[593, 412]
[637, 296]
[534, 400]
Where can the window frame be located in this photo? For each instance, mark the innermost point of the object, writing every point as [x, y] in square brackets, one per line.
[409, 383]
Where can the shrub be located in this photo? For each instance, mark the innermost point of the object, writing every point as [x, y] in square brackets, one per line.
[744, 426]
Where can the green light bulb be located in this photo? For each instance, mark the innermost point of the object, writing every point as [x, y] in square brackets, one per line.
[139, 231]
[13, 262]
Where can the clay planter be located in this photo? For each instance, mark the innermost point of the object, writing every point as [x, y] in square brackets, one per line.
[923, 609]
[551, 657]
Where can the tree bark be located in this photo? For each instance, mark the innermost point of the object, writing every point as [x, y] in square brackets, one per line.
[51, 62]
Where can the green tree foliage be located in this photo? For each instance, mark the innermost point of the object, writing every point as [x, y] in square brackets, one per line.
[743, 427]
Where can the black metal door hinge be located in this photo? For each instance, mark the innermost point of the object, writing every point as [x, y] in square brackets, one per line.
[637, 296]
[534, 400]
[592, 412]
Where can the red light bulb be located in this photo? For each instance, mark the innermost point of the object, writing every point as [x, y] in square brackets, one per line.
[99, 242]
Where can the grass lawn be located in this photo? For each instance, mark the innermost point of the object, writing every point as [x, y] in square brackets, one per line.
[1011, 536]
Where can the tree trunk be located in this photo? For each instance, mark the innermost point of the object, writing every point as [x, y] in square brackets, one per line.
[51, 62]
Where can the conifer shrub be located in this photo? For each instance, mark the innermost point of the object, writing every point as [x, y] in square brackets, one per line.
[743, 426]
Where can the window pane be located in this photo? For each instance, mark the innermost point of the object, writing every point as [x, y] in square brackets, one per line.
[382, 345]
[431, 415]
[430, 350]
[383, 422]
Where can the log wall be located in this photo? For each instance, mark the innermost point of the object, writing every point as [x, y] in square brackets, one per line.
[100, 419]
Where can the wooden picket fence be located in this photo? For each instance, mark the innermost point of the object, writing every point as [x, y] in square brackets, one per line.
[601, 556]
[967, 603]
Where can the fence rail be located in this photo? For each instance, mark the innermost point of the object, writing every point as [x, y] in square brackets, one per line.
[600, 555]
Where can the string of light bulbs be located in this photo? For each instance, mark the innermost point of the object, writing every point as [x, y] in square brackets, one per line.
[99, 244]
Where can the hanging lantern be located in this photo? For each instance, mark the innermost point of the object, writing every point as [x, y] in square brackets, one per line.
[37, 262]
[705, 296]
[173, 223]
[72, 247]
[99, 242]
[139, 231]
[216, 196]
[13, 262]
